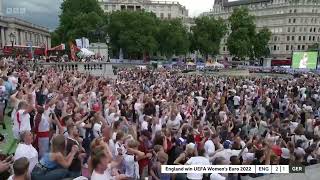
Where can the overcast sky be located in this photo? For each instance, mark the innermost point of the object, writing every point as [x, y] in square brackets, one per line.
[45, 12]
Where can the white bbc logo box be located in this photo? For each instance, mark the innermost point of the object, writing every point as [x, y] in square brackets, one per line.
[16, 11]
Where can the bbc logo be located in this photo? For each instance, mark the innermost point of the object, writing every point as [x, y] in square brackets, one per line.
[16, 11]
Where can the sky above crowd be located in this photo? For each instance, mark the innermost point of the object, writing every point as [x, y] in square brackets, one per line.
[46, 12]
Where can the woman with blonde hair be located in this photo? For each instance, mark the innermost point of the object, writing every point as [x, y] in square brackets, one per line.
[54, 165]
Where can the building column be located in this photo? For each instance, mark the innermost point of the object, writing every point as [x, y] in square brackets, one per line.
[49, 42]
[22, 41]
[3, 40]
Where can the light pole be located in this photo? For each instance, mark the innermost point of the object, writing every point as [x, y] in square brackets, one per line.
[12, 38]
[108, 42]
[99, 33]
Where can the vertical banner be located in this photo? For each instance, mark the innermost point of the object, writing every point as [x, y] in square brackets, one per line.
[79, 43]
[86, 43]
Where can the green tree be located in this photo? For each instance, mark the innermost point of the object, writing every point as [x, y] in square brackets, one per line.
[314, 47]
[207, 35]
[260, 43]
[244, 41]
[78, 17]
[242, 30]
[134, 32]
[172, 37]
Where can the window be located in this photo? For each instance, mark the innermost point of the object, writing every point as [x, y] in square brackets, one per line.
[293, 29]
[291, 48]
[290, 11]
[304, 38]
[310, 29]
[314, 29]
[161, 15]
[275, 38]
[287, 47]
[288, 38]
[299, 38]
[300, 29]
[288, 29]
[289, 20]
[292, 38]
[274, 47]
[298, 47]
[294, 20]
[309, 38]
[224, 48]
[302, 47]
[106, 7]
[313, 38]
[169, 15]
[295, 11]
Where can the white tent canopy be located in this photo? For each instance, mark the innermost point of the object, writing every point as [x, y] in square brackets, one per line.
[85, 52]
[215, 65]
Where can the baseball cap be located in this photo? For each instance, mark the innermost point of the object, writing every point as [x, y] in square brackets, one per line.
[227, 144]
[181, 141]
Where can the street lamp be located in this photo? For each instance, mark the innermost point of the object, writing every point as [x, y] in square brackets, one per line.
[12, 38]
[108, 42]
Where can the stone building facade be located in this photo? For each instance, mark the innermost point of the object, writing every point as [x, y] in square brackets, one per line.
[295, 24]
[162, 9]
[24, 33]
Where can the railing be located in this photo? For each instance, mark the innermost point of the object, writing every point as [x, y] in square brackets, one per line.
[94, 68]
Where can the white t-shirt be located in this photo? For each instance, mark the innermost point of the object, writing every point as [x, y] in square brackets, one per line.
[96, 130]
[198, 160]
[200, 100]
[216, 176]
[112, 148]
[236, 100]
[131, 166]
[105, 175]
[29, 152]
[120, 148]
[21, 122]
[14, 82]
[174, 124]
[209, 148]
[144, 125]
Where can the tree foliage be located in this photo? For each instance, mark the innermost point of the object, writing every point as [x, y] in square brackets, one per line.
[314, 47]
[244, 40]
[172, 37]
[77, 18]
[207, 35]
[134, 32]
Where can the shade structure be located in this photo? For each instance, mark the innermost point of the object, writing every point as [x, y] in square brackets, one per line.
[85, 52]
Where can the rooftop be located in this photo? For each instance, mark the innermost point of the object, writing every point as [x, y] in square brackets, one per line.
[226, 3]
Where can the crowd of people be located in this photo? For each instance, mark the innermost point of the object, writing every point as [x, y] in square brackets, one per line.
[73, 125]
